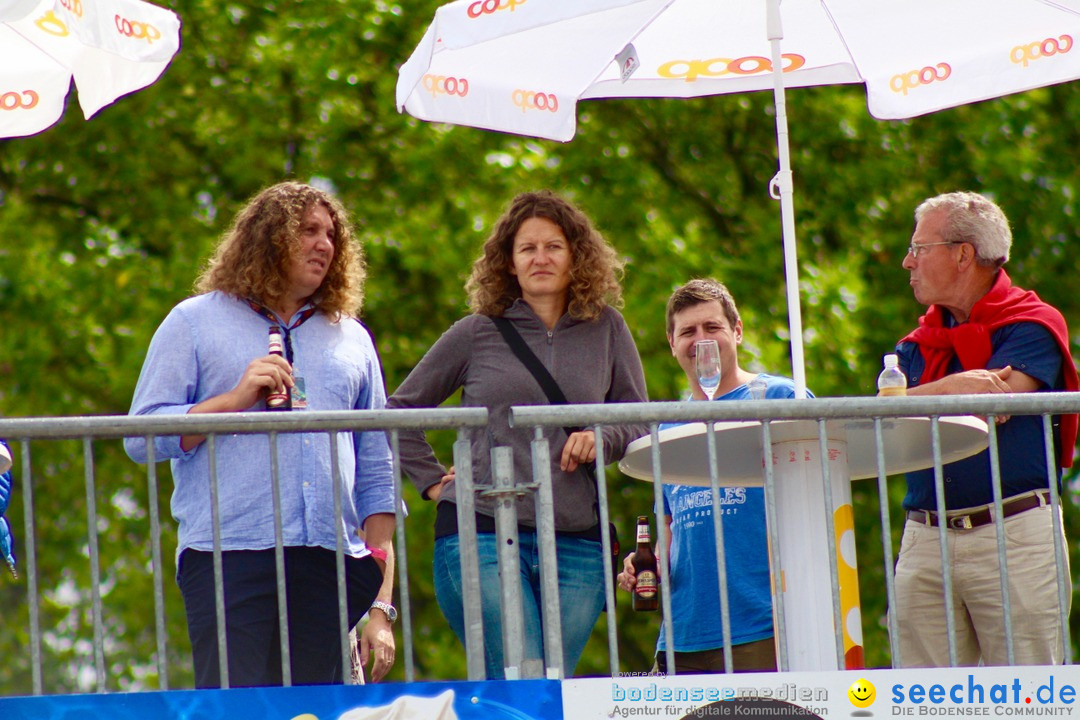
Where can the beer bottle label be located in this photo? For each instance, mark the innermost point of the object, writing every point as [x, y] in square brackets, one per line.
[277, 400]
[646, 584]
[643, 534]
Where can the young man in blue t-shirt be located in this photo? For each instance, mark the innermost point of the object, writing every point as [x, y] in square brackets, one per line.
[705, 310]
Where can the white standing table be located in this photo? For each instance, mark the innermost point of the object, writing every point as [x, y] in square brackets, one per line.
[795, 455]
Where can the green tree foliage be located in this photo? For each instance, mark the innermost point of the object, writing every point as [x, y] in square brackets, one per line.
[106, 223]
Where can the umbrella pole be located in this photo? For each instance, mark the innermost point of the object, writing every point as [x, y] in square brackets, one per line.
[781, 188]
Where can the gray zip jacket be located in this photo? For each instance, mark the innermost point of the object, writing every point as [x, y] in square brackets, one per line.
[593, 362]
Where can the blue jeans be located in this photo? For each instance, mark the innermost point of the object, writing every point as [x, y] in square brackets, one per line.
[581, 594]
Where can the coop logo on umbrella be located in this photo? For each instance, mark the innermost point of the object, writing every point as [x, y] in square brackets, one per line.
[691, 70]
[51, 24]
[529, 100]
[443, 85]
[137, 30]
[24, 100]
[73, 6]
[912, 79]
[487, 7]
[1023, 54]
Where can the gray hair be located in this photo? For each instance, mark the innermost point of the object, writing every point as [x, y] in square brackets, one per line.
[972, 218]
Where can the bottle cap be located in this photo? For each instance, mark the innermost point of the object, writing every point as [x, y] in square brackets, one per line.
[891, 360]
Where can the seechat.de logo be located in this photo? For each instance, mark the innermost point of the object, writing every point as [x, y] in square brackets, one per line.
[443, 85]
[912, 79]
[1023, 54]
[487, 7]
[691, 70]
[137, 30]
[530, 100]
[24, 100]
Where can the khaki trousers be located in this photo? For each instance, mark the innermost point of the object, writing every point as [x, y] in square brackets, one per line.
[977, 607]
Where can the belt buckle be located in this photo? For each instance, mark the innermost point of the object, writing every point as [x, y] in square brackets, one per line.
[960, 522]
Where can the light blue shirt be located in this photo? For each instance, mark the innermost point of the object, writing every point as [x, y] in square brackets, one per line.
[201, 350]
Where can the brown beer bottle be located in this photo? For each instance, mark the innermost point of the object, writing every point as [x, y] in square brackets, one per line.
[277, 401]
[647, 591]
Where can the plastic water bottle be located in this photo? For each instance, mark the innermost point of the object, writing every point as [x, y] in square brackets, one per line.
[891, 381]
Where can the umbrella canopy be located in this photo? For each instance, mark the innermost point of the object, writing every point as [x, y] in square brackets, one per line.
[521, 66]
[109, 47]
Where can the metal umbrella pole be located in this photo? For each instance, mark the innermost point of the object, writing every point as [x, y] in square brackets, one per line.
[781, 188]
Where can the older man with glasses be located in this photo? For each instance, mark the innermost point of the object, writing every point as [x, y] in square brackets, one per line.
[981, 334]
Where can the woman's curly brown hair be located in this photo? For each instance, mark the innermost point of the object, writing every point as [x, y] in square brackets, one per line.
[595, 268]
[252, 260]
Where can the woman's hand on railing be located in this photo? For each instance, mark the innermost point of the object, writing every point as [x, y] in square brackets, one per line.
[435, 491]
[580, 448]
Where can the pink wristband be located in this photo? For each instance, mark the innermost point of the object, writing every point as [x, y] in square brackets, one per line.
[377, 553]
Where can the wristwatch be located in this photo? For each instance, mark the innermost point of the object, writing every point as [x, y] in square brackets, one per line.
[388, 610]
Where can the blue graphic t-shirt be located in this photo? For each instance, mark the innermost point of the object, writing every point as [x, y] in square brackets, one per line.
[695, 588]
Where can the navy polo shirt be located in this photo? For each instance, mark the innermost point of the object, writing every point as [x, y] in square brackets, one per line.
[1030, 348]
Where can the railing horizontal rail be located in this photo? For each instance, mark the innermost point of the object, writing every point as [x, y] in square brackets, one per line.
[112, 426]
[813, 409]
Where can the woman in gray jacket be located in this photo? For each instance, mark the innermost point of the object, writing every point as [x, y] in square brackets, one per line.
[548, 272]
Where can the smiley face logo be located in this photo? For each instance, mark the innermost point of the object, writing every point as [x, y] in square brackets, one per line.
[861, 693]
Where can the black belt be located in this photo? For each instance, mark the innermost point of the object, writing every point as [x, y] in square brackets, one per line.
[978, 518]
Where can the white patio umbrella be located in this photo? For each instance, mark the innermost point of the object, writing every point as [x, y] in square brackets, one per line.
[520, 66]
[109, 47]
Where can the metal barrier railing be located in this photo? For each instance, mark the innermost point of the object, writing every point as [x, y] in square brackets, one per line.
[503, 486]
[88, 429]
[820, 410]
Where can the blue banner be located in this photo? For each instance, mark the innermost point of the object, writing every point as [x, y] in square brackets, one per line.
[491, 700]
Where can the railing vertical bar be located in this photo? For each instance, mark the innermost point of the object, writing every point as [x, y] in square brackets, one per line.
[886, 547]
[1059, 537]
[158, 569]
[401, 562]
[721, 554]
[339, 563]
[509, 556]
[95, 564]
[605, 544]
[662, 554]
[999, 531]
[219, 570]
[471, 598]
[777, 569]
[33, 599]
[943, 538]
[551, 615]
[830, 539]
[279, 564]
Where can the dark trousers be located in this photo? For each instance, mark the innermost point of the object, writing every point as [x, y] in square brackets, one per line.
[748, 657]
[251, 613]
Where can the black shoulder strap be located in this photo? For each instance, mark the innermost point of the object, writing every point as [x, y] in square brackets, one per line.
[555, 397]
[530, 361]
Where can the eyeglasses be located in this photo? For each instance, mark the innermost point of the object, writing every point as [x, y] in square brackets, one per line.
[914, 249]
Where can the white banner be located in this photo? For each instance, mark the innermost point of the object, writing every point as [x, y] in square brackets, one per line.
[999, 692]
